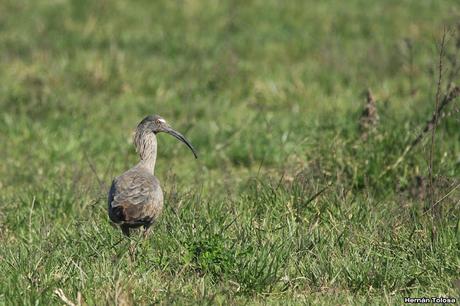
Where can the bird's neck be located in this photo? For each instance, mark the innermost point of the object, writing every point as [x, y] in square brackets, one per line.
[146, 147]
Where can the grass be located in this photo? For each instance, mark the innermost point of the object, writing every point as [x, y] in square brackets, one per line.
[286, 203]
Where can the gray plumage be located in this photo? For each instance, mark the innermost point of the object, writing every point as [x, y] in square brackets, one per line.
[135, 198]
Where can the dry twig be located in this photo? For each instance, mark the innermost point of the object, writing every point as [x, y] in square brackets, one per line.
[435, 115]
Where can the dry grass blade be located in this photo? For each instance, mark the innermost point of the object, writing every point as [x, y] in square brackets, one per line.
[438, 114]
[449, 97]
[63, 298]
[93, 169]
[369, 117]
[445, 196]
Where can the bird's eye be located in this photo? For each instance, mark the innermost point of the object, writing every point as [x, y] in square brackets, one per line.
[161, 121]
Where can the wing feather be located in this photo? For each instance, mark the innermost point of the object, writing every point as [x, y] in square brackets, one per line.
[135, 197]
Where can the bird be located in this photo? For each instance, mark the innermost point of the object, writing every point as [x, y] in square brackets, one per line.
[135, 198]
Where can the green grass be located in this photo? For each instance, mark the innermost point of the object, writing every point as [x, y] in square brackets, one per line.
[270, 94]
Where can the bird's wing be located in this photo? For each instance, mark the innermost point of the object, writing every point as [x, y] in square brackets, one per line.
[134, 197]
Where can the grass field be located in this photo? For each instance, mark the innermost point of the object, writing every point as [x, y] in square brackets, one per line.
[287, 203]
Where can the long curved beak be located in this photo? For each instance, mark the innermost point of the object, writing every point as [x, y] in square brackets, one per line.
[181, 138]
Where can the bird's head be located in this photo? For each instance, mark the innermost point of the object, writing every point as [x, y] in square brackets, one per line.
[158, 124]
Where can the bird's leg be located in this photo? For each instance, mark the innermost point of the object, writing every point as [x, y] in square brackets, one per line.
[132, 251]
[132, 245]
[147, 230]
[125, 229]
[139, 241]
